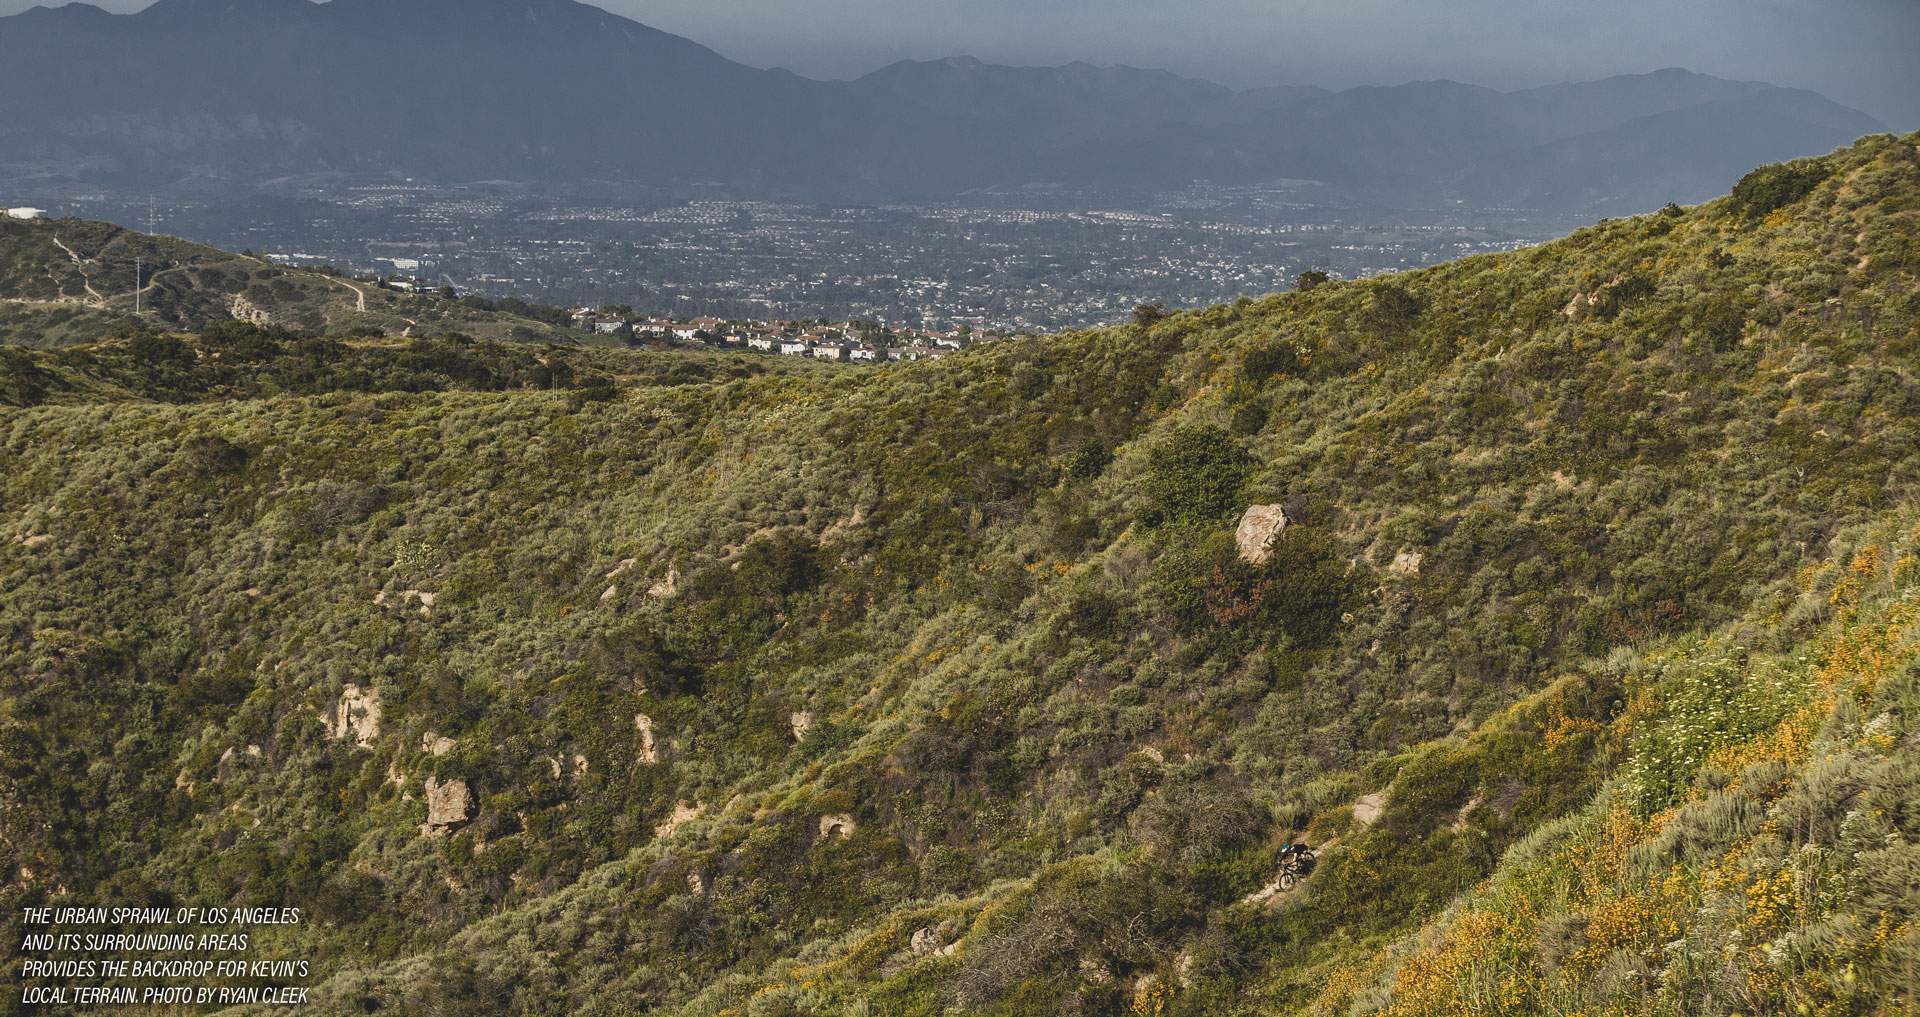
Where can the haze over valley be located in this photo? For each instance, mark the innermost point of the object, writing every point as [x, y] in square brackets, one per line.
[485, 140]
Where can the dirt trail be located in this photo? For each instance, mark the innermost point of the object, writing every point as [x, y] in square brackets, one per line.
[1272, 893]
[81, 267]
[357, 291]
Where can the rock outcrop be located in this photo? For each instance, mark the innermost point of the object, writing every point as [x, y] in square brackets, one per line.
[935, 940]
[666, 587]
[420, 598]
[801, 721]
[449, 806]
[682, 813]
[836, 827]
[649, 746]
[1406, 563]
[1259, 528]
[356, 716]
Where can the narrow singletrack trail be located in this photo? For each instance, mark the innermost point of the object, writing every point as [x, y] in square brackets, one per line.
[81, 267]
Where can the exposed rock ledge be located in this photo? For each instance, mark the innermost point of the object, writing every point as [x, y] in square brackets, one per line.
[1259, 529]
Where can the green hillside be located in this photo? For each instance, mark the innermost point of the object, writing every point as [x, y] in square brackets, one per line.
[576, 681]
[68, 281]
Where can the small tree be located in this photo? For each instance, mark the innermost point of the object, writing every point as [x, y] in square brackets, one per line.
[1147, 314]
[1310, 280]
[1088, 460]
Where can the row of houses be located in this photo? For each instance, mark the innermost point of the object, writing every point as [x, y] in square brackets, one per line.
[851, 352]
[843, 341]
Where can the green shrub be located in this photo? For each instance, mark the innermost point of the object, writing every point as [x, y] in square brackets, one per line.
[1196, 475]
[1088, 460]
[1777, 186]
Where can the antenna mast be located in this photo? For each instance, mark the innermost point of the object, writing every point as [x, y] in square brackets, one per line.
[136, 285]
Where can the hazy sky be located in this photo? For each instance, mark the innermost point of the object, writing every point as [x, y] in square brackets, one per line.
[1864, 53]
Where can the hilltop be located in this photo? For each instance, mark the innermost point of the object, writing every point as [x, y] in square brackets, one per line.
[600, 681]
[71, 280]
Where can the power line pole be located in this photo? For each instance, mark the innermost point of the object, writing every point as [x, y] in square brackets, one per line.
[136, 285]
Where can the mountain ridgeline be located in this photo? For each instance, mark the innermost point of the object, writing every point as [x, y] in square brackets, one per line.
[584, 681]
[197, 97]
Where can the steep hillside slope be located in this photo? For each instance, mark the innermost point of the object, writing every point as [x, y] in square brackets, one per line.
[64, 281]
[581, 681]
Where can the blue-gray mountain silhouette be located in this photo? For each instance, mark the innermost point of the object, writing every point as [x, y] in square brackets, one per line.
[212, 96]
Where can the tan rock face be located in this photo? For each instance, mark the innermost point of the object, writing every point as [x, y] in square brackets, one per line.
[649, 746]
[666, 587]
[1406, 563]
[449, 805]
[839, 827]
[937, 940]
[682, 813]
[1259, 528]
[420, 600]
[800, 721]
[434, 744]
[356, 716]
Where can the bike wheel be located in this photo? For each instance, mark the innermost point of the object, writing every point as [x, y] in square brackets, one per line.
[1287, 879]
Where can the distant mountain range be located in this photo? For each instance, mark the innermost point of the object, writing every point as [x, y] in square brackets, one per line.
[206, 96]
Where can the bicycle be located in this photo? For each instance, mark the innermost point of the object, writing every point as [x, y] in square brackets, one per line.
[1296, 862]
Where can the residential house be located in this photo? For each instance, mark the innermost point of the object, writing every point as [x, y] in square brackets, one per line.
[865, 353]
[829, 351]
[793, 348]
[761, 342]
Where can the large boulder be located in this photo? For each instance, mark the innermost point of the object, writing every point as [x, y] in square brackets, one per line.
[449, 806]
[937, 940]
[1259, 528]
